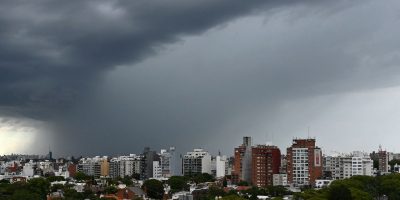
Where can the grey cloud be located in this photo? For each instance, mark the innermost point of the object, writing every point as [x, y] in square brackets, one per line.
[239, 80]
[51, 52]
[54, 57]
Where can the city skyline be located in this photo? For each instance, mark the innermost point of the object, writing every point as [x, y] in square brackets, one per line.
[111, 77]
[230, 153]
[259, 169]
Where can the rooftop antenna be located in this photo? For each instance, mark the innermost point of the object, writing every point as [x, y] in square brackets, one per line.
[308, 132]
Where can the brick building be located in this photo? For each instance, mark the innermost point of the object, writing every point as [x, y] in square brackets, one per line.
[256, 164]
[304, 162]
[71, 169]
[266, 161]
[383, 158]
[239, 154]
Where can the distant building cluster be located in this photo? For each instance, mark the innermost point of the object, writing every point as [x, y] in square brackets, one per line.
[261, 165]
[304, 164]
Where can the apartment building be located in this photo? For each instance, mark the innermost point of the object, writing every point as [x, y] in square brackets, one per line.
[197, 161]
[304, 162]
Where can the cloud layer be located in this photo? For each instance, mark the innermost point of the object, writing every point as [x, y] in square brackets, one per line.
[133, 73]
[51, 52]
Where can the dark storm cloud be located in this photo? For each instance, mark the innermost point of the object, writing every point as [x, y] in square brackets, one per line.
[54, 52]
[248, 78]
[54, 56]
[51, 52]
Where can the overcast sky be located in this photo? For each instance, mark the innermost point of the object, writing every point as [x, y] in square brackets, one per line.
[111, 77]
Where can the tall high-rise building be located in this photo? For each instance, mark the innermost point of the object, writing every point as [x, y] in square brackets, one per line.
[170, 162]
[50, 155]
[383, 158]
[149, 156]
[266, 161]
[242, 162]
[220, 166]
[304, 162]
[104, 167]
[114, 168]
[256, 164]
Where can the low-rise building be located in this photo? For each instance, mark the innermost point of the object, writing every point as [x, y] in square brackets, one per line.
[343, 166]
[280, 179]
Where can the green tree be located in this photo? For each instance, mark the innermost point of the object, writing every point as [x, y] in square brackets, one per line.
[111, 181]
[277, 190]
[178, 183]
[311, 194]
[339, 192]
[55, 178]
[360, 195]
[56, 187]
[80, 176]
[243, 183]
[254, 191]
[224, 182]
[71, 194]
[376, 163]
[110, 190]
[88, 194]
[25, 195]
[153, 188]
[39, 186]
[214, 191]
[127, 181]
[6, 189]
[356, 187]
[390, 186]
[202, 178]
[232, 197]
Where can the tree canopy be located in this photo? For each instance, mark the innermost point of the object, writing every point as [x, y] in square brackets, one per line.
[153, 188]
[178, 183]
[36, 188]
[359, 188]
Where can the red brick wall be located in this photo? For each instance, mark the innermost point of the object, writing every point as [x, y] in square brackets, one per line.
[266, 161]
[237, 163]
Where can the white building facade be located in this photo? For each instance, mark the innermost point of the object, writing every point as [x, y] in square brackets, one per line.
[157, 170]
[197, 161]
[300, 166]
[279, 179]
[125, 166]
[170, 163]
[347, 165]
[221, 166]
